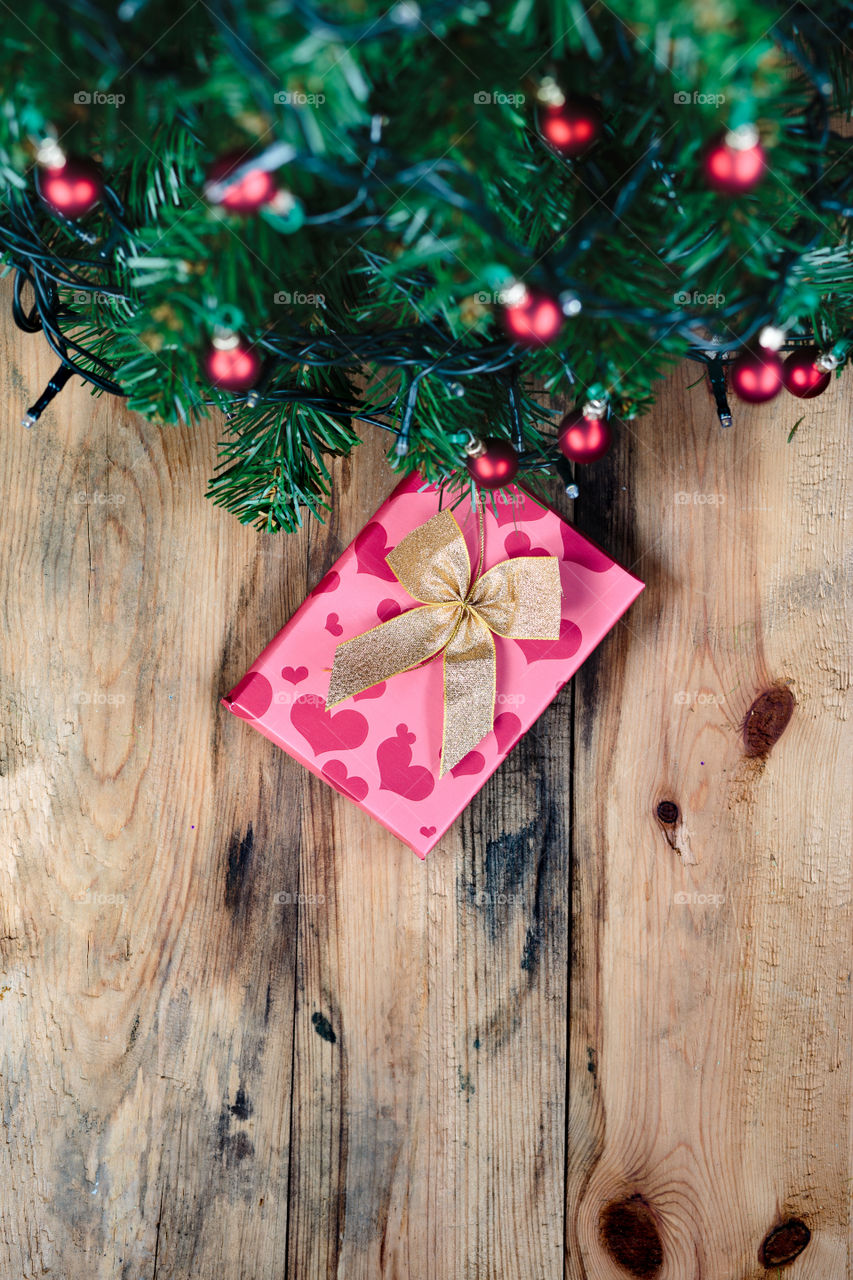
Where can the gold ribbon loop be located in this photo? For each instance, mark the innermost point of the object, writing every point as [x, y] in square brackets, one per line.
[432, 561]
[518, 599]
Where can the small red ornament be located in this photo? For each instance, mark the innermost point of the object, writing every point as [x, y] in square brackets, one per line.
[534, 320]
[72, 188]
[757, 375]
[571, 128]
[736, 163]
[250, 193]
[584, 439]
[801, 375]
[494, 463]
[231, 366]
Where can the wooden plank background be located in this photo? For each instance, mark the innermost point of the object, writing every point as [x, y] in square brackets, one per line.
[247, 1034]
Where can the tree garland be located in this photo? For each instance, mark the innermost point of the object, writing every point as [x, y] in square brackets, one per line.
[453, 243]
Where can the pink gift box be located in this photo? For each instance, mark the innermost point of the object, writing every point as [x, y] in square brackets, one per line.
[381, 748]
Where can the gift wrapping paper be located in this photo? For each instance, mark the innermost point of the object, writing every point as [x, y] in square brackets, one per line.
[381, 748]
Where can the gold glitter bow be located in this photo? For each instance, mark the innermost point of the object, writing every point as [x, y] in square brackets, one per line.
[457, 616]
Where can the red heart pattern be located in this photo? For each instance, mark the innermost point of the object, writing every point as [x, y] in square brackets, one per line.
[472, 763]
[396, 771]
[427, 831]
[523, 508]
[578, 551]
[294, 675]
[518, 544]
[323, 730]
[333, 626]
[388, 609]
[375, 691]
[251, 698]
[568, 643]
[335, 772]
[371, 548]
[331, 582]
[507, 728]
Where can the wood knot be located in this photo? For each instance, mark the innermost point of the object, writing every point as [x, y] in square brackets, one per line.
[766, 721]
[237, 877]
[323, 1027]
[784, 1243]
[630, 1235]
[668, 812]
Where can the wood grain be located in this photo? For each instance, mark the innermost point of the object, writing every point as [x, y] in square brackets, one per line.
[711, 982]
[247, 1034]
[148, 988]
[429, 1082]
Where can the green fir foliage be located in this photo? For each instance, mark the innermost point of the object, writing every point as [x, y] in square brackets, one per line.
[407, 137]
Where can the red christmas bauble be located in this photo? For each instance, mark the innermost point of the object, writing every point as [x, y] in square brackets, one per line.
[250, 193]
[571, 128]
[801, 375]
[496, 465]
[584, 439]
[232, 368]
[734, 170]
[535, 320]
[72, 189]
[757, 375]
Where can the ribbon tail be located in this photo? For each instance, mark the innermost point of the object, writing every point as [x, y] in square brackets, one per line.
[469, 690]
[394, 646]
